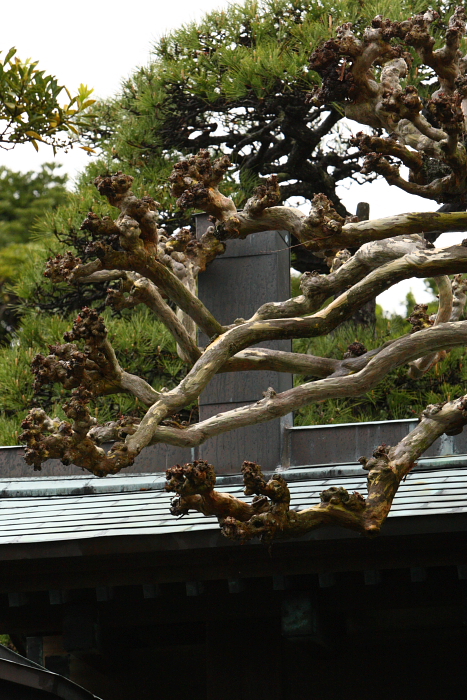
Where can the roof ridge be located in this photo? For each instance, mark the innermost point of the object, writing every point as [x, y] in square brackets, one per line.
[25, 487]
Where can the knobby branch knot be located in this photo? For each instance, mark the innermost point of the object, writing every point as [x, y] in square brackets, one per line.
[339, 496]
[419, 318]
[192, 478]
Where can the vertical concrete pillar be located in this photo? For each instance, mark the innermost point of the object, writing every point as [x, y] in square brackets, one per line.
[252, 272]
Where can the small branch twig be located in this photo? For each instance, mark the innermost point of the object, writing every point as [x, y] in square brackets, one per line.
[145, 292]
[424, 364]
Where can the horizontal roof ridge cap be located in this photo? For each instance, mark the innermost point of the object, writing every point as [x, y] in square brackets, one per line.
[21, 487]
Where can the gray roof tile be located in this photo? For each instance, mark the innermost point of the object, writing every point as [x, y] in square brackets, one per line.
[49, 510]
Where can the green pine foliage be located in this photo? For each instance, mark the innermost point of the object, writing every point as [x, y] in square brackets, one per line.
[238, 82]
[395, 397]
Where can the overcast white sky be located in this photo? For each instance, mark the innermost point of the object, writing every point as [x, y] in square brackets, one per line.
[100, 43]
[95, 43]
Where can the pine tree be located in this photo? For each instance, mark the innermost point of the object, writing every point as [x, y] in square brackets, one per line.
[367, 74]
[24, 197]
[137, 132]
[239, 82]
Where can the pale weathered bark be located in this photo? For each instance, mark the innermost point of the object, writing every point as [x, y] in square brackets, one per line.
[384, 102]
[149, 430]
[423, 364]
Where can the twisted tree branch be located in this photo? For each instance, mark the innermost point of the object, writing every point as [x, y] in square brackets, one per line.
[270, 517]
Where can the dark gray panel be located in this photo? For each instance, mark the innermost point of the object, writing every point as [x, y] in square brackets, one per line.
[257, 443]
[252, 272]
[202, 222]
[244, 386]
[12, 464]
[265, 242]
[341, 444]
[156, 458]
[255, 244]
[236, 287]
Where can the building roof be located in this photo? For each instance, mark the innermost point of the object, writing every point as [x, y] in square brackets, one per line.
[45, 509]
[27, 674]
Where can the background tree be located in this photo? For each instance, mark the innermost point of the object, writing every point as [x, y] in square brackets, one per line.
[23, 198]
[368, 77]
[31, 112]
[26, 196]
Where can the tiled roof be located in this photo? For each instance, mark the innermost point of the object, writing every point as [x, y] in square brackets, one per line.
[71, 508]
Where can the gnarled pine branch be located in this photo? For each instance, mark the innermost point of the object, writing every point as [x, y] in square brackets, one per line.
[269, 516]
